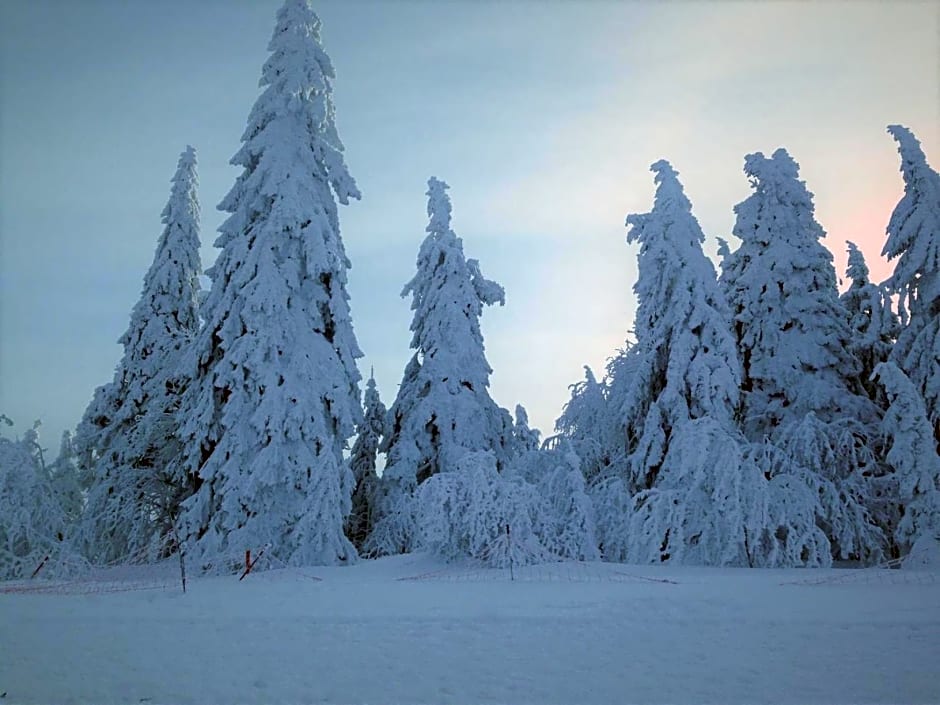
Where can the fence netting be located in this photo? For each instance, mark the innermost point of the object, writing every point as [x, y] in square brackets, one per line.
[70, 575]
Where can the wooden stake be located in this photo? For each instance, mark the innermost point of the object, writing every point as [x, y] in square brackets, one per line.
[39, 567]
[249, 564]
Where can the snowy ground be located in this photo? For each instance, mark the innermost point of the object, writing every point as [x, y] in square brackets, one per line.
[560, 634]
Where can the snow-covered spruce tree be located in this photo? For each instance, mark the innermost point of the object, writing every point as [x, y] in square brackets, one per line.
[567, 529]
[584, 423]
[276, 390]
[914, 241]
[443, 409]
[67, 482]
[913, 456]
[801, 380]
[362, 461]
[526, 439]
[791, 328]
[693, 496]
[875, 328]
[127, 440]
[527, 462]
[33, 524]
[688, 360]
[873, 323]
[393, 509]
[592, 422]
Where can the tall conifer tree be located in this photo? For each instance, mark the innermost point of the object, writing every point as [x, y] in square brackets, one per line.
[914, 242]
[443, 409]
[792, 330]
[689, 367]
[872, 321]
[362, 461]
[802, 386]
[276, 390]
[696, 498]
[127, 441]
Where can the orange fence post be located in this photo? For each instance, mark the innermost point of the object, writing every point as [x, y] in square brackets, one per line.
[249, 564]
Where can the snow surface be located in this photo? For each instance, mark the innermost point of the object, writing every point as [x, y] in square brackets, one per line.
[567, 633]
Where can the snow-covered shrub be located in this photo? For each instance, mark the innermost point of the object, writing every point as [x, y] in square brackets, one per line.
[33, 524]
[790, 535]
[584, 423]
[393, 532]
[613, 511]
[67, 481]
[838, 463]
[924, 554]
[706, 504]
[471, 512]
[565, 522]
[592, 422]
[913, 457]
[568, 532]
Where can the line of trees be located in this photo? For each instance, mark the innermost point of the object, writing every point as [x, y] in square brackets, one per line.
[756, 418]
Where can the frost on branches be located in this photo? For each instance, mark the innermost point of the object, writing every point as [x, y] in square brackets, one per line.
[470, 512]
[33, 524]
[127, 440]
[914, 241]
[913, 456]
[276, 385]
[443, 409]
[68, 483]
[567, 529]
[713, 505]
[587, 423]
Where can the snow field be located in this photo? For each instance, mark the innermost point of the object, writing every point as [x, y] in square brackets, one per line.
[363, 635]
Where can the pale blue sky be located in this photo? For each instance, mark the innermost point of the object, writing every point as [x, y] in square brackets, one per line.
[542, 115]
